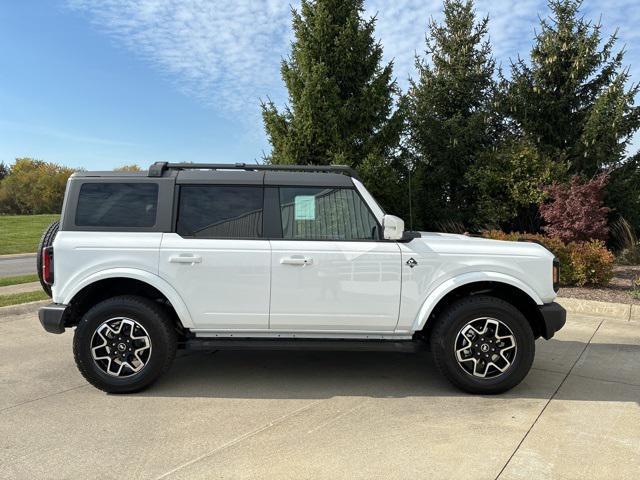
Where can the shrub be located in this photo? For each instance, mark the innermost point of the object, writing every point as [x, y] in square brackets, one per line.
[500, 235]
[576, 211]
[625, 242]
[592, 263]
[581, 263]
[623, 191]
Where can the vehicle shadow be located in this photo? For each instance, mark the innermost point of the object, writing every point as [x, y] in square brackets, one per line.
[321, 375]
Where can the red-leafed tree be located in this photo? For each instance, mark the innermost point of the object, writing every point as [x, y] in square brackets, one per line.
[576, 211]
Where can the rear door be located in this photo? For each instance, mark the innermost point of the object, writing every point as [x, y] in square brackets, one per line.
[330, 270]
[217, 258]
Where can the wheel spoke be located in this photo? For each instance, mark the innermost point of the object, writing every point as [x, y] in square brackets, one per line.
[480, 368]
[500, 362]
[464, 349]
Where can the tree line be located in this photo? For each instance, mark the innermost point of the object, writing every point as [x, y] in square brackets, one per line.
[468, 146]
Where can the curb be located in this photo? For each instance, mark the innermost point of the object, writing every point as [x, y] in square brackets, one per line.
[22, 308]
[17, 255]
[623, 311]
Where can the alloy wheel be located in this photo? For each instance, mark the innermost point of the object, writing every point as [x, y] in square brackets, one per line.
[121, 347]
[485, 347]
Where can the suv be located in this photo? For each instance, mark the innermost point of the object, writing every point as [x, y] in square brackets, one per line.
[257, 256]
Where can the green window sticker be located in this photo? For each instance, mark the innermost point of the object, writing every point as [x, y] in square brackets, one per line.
[305, 207]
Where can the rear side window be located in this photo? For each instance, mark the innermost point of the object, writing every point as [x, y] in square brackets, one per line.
[117, 205]
[220, 211]
[317, 213]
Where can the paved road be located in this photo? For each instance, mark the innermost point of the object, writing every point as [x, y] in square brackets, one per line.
[22, 265]
[323, 415]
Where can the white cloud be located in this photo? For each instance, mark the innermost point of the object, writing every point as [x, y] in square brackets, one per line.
[227, 53]
[402, 26]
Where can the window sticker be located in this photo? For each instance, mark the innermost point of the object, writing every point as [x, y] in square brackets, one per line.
[305, 207]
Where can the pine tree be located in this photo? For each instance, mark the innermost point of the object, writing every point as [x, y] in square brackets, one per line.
[623, 191]
[571, 100]
[342, 100]
[451, 115]
[509, 183]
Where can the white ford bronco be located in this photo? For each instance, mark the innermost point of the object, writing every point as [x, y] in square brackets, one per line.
[240, 256]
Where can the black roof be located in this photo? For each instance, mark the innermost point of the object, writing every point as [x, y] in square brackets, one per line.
[235, 174]
[159, 168]
[264, 178]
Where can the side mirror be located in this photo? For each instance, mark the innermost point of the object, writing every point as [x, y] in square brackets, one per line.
[392, 227]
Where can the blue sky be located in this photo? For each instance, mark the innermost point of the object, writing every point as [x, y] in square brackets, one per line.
[102, 83]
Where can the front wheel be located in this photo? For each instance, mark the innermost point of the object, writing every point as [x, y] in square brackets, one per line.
[483, 345]
[124, 344]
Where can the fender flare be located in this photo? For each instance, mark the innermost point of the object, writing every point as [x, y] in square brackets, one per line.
[439, 292]
[144, 276]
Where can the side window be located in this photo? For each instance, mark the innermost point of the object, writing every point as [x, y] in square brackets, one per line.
[117, 205]
[219, 211]
[316, 213]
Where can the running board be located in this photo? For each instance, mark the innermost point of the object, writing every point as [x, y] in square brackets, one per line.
[408, 346]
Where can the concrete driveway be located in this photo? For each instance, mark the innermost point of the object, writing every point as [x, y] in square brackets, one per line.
[323, 415]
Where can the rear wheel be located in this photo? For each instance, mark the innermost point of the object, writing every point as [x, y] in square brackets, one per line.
[124, 344]
[46, 240]
[483, 345]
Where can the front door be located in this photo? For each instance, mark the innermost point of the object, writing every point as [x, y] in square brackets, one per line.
[330, 271]
[217, 259]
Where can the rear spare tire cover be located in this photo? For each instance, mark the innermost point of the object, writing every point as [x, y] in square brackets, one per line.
[46, 241]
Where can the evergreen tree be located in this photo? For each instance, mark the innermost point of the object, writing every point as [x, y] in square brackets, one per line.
[571, 100]
[509, 183]
[623, 192]
[451, 116]
[342, 100]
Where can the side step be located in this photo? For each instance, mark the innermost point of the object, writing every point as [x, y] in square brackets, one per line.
[407, 346]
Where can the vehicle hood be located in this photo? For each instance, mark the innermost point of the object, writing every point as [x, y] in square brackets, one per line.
[466, 244]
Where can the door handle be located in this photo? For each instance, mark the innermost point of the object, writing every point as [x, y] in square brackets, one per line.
[185, 259]
[297, 260]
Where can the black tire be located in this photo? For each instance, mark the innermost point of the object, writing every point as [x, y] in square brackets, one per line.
[46, 240]
[455, 318]
[148, 315]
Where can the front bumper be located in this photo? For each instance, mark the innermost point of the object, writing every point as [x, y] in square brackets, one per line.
[553, 318]
[52, 317]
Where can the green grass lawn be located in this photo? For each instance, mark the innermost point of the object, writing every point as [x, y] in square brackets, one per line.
[6, 281]
[16, 298]
[21, 233]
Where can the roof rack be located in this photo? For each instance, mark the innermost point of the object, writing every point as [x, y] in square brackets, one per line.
[158, 168]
